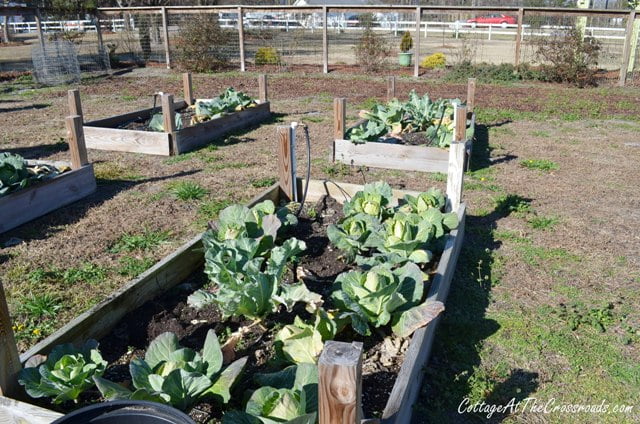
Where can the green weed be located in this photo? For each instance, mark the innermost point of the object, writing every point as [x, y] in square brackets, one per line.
[542, 222]
[209, 210]
[263, 182]
[147, 240]
[40, 305]
[132, 267]
[88, 273]
[513, 204]
[188, 190]
[539, 164]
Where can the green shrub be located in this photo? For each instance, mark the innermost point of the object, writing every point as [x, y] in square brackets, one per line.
[436, 60]
[267, 56]
[406, 43]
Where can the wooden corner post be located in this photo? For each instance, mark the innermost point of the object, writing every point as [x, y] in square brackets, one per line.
[262, 88]
[416, 44]
[169, 122]
[285, 160]
[165, 33]
[471, 95]
[75, 105]
[325, 41]
[339, 117]
[9, 357]
[75, 138]
[391, 88]
[241, 39]
[627, 52]
[187, 86]
[340, 383]
[519, 36]
[455, 174]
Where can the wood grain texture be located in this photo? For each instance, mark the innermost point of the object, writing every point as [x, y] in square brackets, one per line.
[456, 166]
[241, 39]
[471, 94]
[75, 104]
[519, 37]
[9, 357]
[24, 205]
[16, 412]
[416, 44]
[168, 113]
[169, 272]
[194, 137]
[340, 383]
[117, 120]
[626, 50]
[391, 88]
[187, 88]
[263, 92]
[392, 156]
[165, 33]
[285, 171]
[325, 41]
[114, 139]
[339, 117]
[342, 191]
[75, 139]
[409, 381]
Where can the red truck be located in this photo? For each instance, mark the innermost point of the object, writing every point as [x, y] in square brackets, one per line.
[494, 18]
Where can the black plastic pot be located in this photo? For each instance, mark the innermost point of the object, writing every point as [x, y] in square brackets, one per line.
[126, 412]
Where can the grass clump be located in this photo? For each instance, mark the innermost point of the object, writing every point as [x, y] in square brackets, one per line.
[539, 164]
[147, 240]
[263, 182]
[132, 267]
[188, 190]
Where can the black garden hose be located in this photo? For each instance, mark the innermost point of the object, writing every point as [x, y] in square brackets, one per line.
[306, 187]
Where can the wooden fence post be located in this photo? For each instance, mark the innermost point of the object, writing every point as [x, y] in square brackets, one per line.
[40, 33]
[626, 53]
[75, 138]
[75, 105]
[99, 36]
[262, 88]
[187, 86]
[416, 44]
[339, 117]
[340, 383]
[391, 88]
[455, 173]
[165, 29]
[9, 358]
[325, 41]
[241, 39]
[285, 160]
[519, 36]
[471, 94]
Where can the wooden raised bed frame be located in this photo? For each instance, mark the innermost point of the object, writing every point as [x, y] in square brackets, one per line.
[103, 134]
[43, 197]
[394, 156]
[98, 321]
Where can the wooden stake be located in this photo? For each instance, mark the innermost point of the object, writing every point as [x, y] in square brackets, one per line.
[339, 117]
[9, 357]
[391, 88]
[75, 138]
[40, 33]
[285, 160]
[471, 94]
[187, 86]
[416, 44]
[519, 36]
[168, 113]
[340, 383]
[241, 39]
[455, 173]
[325, 41]
[165, 29]
[262, 88]
[75, 105]
[99, 35]
[626, 53]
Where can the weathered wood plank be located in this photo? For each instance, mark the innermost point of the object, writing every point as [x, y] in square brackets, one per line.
[187, 87]
[339, 117]
[153, 143]
[114, 121]
[391, 88]
[75, 137]
[98, 321]
[341, 191]
[340, 383]
[32, 202]
[392, 156]
[285, 171]
[191, 138]
[409, 381]
[15, 412]
[263, 91]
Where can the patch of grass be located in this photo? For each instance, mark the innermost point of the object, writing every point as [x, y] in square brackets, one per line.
[40, 305]
[368, 104]
[147, 240]
[577, 314]
[542, 222]
[209, 210]
[180, 158]
[539, 164]
[188, 190]
[337, 169]
[540, 133]
[129, 98]
[437, 176]
[132, 267]
[113, 171]
[227, 165]
[513, 204]
[492, 115]
[89, 273]
[263, 182]
[315, 119]
[539, 255]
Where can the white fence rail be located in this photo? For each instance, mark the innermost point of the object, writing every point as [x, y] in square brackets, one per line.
[341, 23]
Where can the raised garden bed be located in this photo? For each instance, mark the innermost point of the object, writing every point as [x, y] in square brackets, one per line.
[184, 267]
[409, 155]
[42, 197]
[127, 132]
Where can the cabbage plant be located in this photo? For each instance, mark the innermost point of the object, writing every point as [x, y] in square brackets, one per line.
[15, 174]
[381, 296]
[65, 374]
[374, 199]
[301, 342]
[352, 234]
[229, 101]
[289, 396]
[175, 375]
